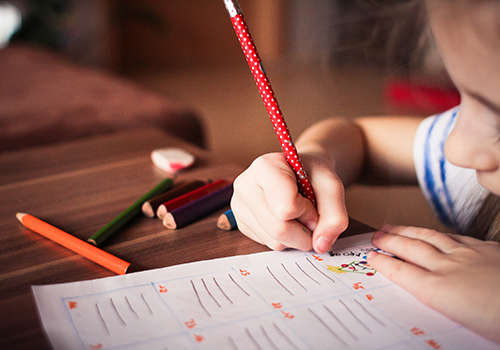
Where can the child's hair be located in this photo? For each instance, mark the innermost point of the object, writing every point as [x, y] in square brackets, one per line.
[486, 223]
[401, 29]
[394, 33]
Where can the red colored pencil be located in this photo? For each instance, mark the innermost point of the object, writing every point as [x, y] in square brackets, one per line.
[267, 94]
[190, 196]
[150, 207]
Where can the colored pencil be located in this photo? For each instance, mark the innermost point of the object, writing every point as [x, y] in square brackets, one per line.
[164, 208]
[268, 96]
[83, 248]
[227, 221]
[150, 207]
[128, 214]
[192, 211]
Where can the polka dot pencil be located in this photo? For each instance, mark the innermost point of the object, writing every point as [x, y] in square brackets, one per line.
[267, 94]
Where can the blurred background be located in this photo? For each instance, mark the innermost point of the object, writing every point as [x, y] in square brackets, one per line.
[324, 58]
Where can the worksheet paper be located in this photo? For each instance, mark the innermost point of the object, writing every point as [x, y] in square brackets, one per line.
[272, 300]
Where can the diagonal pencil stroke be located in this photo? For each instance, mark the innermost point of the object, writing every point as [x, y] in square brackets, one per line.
[356, 317]
[209, 293]
[268, 337]
[116, 311]
[305, 273]
[145, 302]
[341, 323]
[281, 284]
[321, 272]
[252, 338]
[328, 327]
[102, 318]
[288, 272]
[244, 291]
[131, 308]
[222, 291]
[369, 313]
[289, 341]
[233, 343]
[199, 299]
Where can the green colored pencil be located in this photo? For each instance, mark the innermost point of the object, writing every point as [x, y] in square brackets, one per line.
[123, 218]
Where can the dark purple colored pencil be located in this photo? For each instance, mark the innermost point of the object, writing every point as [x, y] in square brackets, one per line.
[190, 212]
[150, 207]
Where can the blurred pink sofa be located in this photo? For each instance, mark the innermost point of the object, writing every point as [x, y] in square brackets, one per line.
[46, 99]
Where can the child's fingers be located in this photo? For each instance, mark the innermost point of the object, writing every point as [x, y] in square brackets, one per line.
[412, 278]
[280, 190]
[261, 225]
[290, 234]
[281, 214]
[333, 218]
[467, 240]
[287, 217]
[441, 241]
[271, 175]
[256, 234]
[283, 227]
[411, 250]
[246, 220]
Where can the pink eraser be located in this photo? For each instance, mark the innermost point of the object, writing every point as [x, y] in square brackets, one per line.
[172, 159]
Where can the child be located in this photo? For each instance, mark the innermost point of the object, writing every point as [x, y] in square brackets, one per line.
[457, 275]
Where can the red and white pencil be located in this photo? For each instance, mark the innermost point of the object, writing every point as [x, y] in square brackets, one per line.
[267, 94]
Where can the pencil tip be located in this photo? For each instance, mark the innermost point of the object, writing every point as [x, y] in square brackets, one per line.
[20, 216]
[147, 210]
[223, 223]
[169, 221]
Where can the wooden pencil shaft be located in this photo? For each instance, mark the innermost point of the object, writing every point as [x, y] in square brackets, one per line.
[190, 197]
[150, 207]
[227, 221]
[192, 211]
[85, 249]
[177, 191]
[128, 214]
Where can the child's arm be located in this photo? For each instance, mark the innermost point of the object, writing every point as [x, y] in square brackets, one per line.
[371, 149]
[335, 153]
[458, 276]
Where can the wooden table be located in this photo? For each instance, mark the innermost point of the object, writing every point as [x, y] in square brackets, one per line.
[79, 187]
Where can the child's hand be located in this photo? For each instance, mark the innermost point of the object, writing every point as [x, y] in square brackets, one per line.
[269, 209]
[458, 276]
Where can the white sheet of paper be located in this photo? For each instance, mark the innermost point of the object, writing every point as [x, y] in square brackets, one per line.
[272, 300]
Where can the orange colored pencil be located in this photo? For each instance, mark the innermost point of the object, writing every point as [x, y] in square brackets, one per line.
[83, 248]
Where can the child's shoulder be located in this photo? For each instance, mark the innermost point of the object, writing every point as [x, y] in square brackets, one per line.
[433, 130]
[440, 122]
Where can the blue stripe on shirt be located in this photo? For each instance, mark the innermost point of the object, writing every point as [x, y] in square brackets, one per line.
[442, 162]
[430, 181]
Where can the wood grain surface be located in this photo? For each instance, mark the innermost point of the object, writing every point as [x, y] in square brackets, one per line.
[79, 187]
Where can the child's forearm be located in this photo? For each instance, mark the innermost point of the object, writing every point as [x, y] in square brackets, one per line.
[371, 150]
[341, 142]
